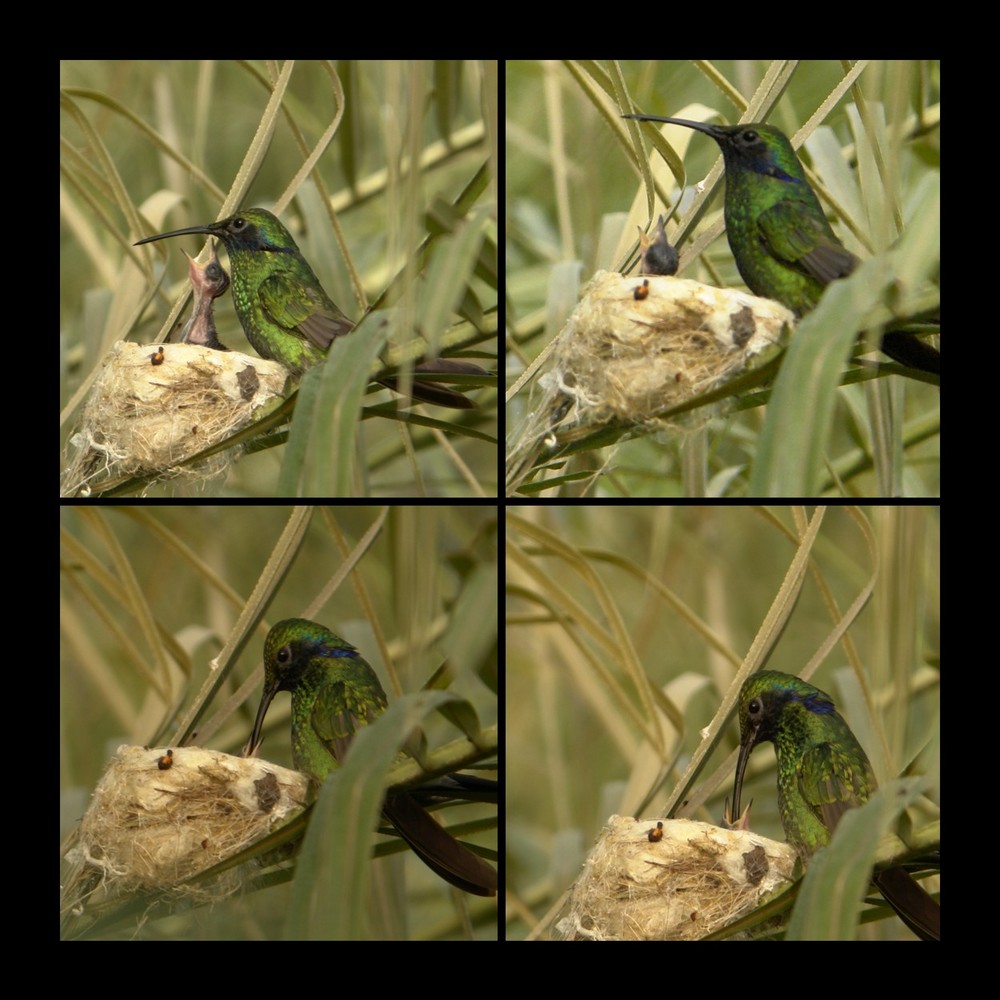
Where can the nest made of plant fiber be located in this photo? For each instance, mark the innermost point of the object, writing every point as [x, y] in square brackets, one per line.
[161, 815]
[637, 346]
[623, 358]
[153, 406]
[677, 882]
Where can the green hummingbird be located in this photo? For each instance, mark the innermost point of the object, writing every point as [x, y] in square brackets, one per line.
[284, 310]
[209, 282]
[785, 249]
[822, 772]
[334, 693]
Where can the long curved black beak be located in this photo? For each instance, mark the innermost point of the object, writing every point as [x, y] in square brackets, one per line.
[697, 126]
[209, 230]
[270, 690]
[741, 765]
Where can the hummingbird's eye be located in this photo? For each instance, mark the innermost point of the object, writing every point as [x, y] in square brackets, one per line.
[238, 224]
[750, 137]
[755, 707]
[284, 654]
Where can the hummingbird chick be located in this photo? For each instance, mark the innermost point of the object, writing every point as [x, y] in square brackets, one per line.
[658, 256]
[209, 282]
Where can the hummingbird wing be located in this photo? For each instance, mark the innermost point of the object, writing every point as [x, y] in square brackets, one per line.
[831, 783]
[342, 707]
[302, 311]
[429, 392]
[793, 234]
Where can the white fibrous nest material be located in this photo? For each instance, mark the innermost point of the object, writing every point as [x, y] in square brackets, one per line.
[148, 412]
[161, 815]
[638, 346]
[679, 882]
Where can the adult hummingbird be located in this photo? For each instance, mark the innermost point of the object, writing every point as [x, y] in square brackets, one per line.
[334, 693]
[284, 310]
[822, 772]
[209, 282]
[785, 249]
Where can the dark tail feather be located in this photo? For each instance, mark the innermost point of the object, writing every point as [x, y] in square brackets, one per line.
[916, 908]
[438, 849]
[424, 392]
[455, 787]
[912, 351]
[429, 392]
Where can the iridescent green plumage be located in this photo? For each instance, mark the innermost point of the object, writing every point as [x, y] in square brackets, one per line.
[822, 772]
[284, 311]
[784, 247]
[283, 308]
[334, 694]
